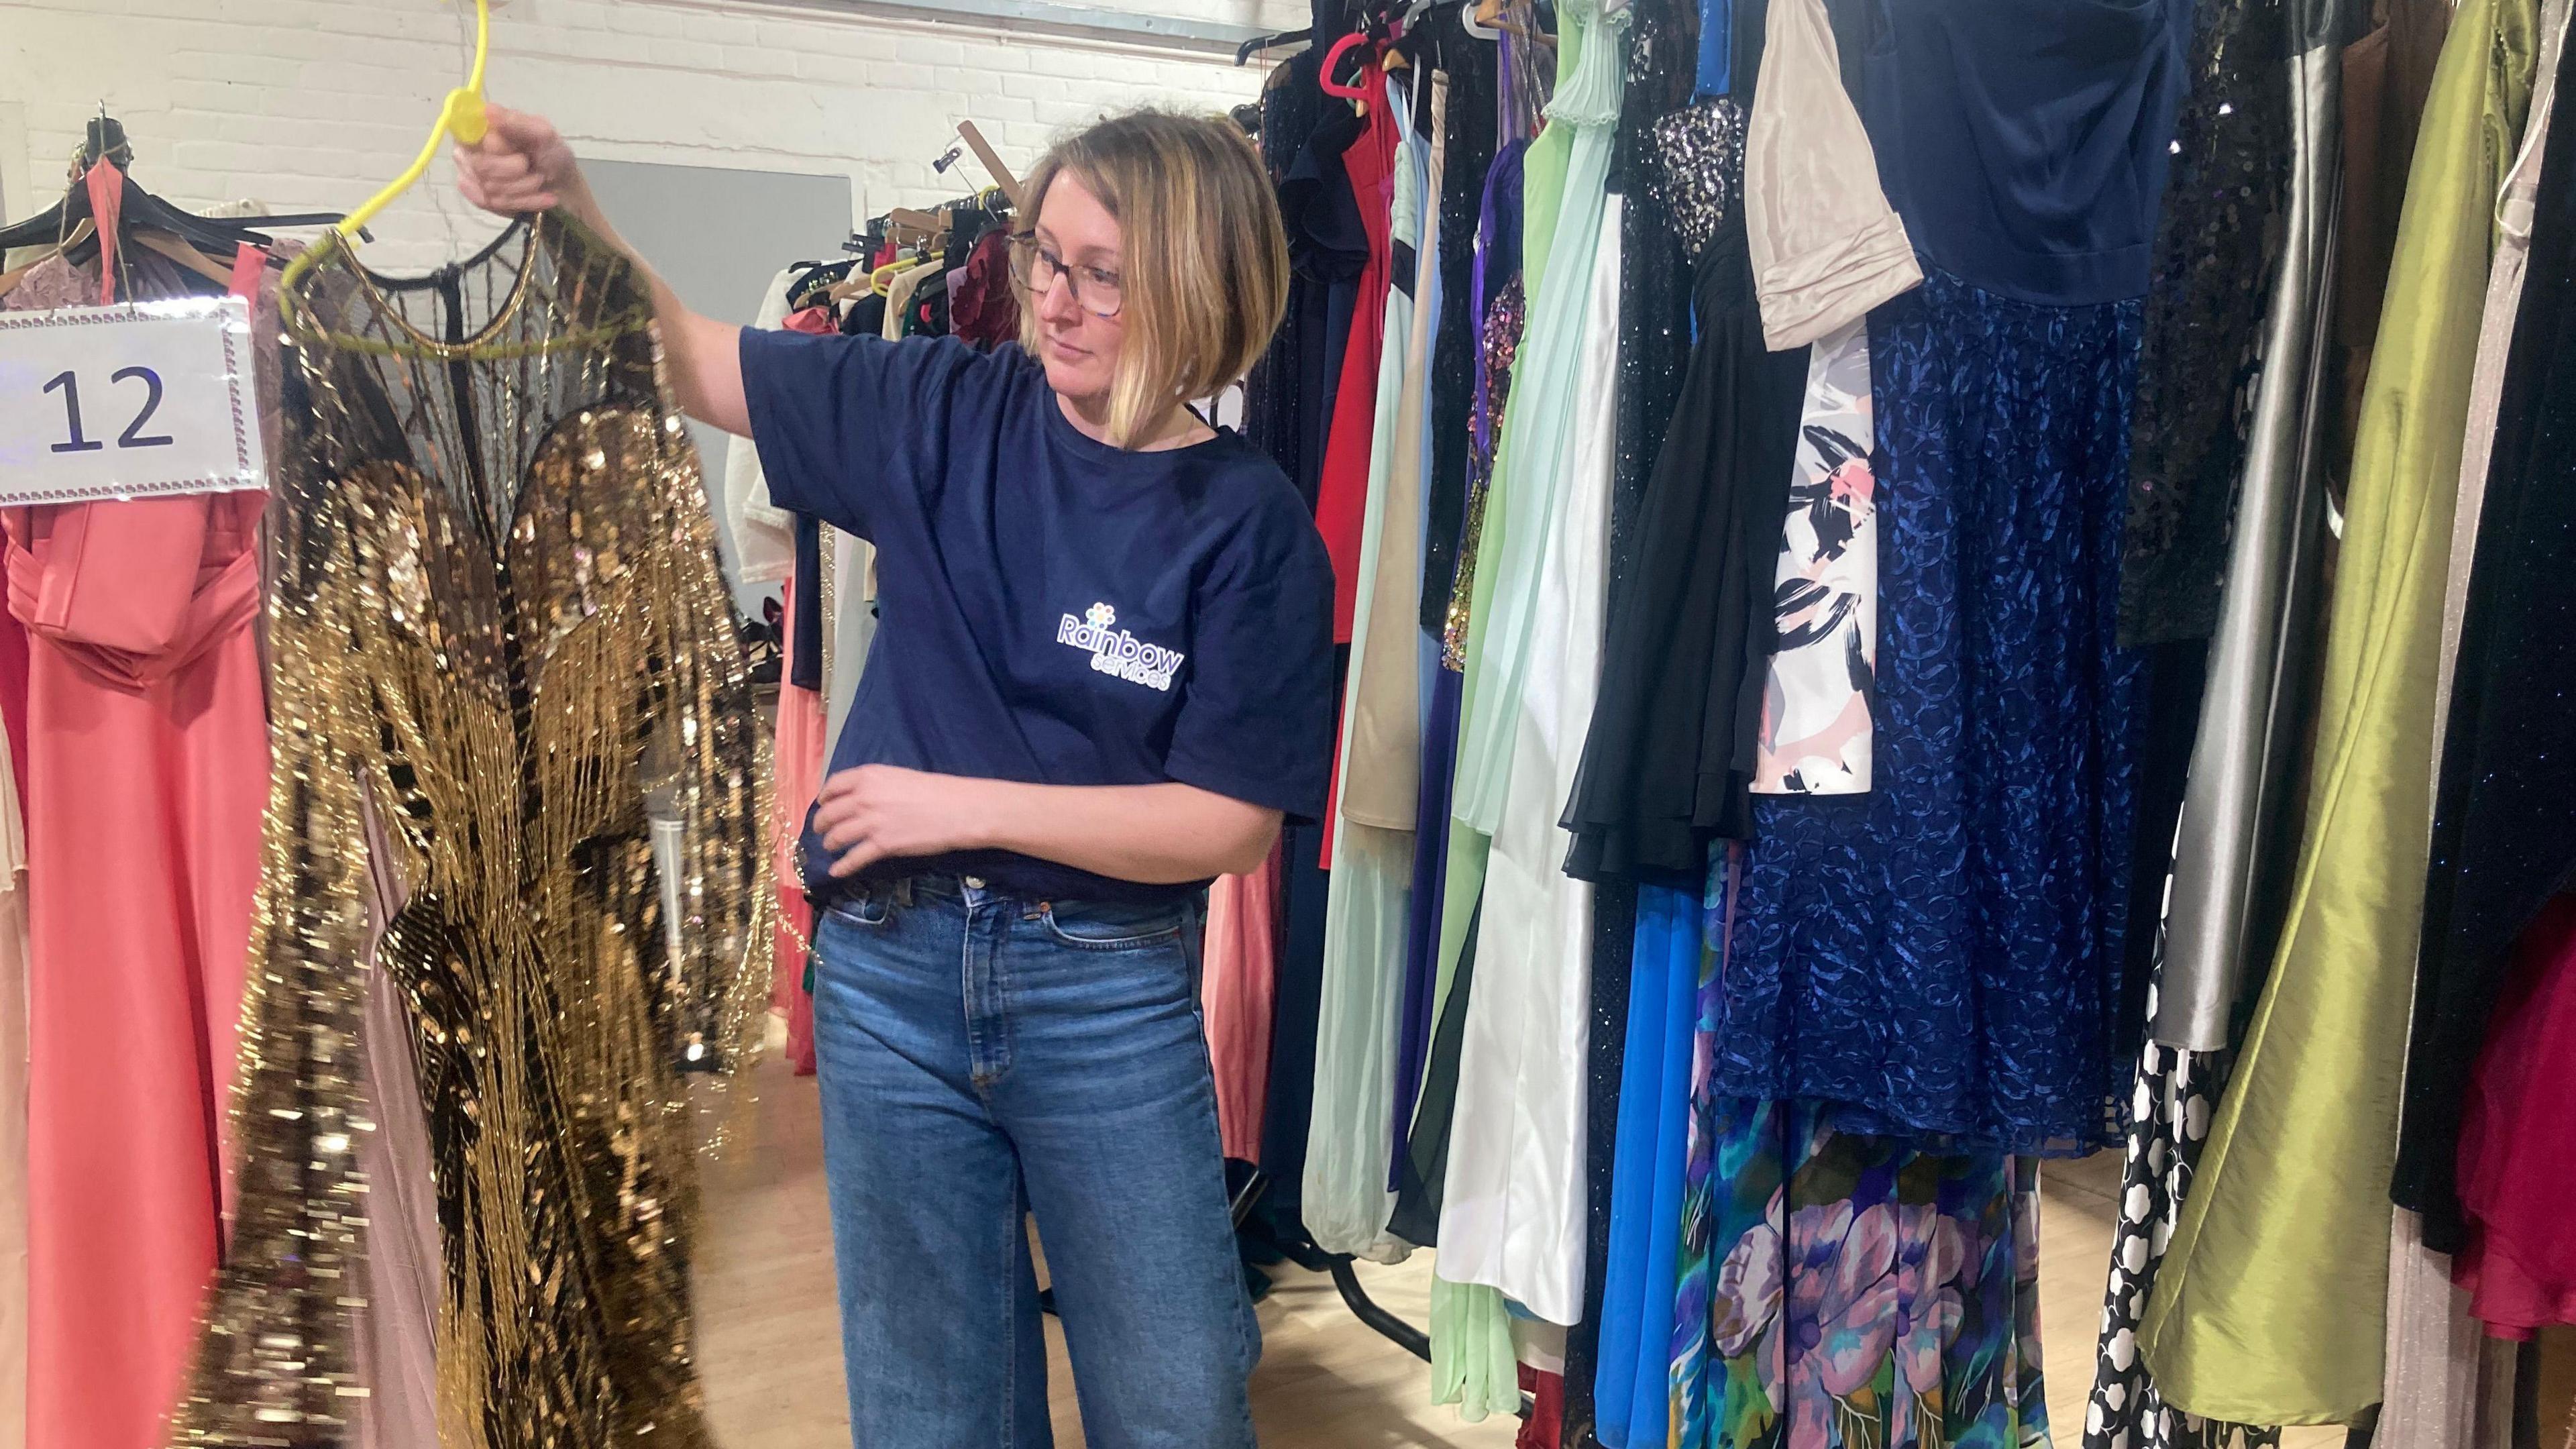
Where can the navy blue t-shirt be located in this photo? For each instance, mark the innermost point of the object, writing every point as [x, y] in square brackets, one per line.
[1051, 610]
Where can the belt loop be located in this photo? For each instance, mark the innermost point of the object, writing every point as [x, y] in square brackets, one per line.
[903, 892]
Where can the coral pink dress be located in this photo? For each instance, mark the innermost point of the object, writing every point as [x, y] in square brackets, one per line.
[148, 730]
[146, 766]
[801, 746]
[1239, 984]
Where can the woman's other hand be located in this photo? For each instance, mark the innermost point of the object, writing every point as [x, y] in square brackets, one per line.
[876, 812]
[1162, 834]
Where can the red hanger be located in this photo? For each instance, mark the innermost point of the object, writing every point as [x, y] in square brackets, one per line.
[1333, 60]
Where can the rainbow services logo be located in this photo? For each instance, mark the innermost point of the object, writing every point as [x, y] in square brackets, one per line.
[1116, 652]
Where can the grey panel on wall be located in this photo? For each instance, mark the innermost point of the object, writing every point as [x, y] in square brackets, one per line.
[718, 236]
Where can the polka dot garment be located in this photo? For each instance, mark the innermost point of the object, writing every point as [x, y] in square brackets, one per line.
[2170, 1110]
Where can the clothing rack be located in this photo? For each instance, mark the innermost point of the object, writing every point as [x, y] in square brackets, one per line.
[866, 240]
[1346, 1281]
[105, 140]
[1092, 23]
[932, 219]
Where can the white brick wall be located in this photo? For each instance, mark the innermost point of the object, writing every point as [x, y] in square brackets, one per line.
[309, 105]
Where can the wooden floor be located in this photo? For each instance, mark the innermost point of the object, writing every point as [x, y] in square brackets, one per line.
[770, 1346]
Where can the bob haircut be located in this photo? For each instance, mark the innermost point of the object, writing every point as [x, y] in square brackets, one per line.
[1203, 258]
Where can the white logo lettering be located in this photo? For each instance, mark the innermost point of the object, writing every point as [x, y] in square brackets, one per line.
[1116, 652]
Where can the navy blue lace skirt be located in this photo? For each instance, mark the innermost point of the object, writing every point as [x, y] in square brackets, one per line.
[1940, 957]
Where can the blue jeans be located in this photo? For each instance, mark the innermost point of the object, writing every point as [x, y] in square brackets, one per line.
[983, 1058]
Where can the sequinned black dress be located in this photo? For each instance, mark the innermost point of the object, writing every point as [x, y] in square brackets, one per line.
[502, 646]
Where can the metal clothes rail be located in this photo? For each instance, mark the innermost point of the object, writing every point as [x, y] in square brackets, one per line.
[1052, 17]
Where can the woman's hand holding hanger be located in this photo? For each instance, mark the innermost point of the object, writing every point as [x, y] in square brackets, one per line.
[522, 166]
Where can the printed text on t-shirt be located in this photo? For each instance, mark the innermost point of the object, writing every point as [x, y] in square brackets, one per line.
[1114, 651]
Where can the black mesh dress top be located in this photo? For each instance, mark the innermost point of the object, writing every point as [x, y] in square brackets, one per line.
[1274, 394]
[2216, 244]
[1470, 144]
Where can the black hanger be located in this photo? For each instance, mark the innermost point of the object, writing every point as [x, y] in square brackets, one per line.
[216, 235]
[106, 140]
[1376, 18]
[1244, 53]
[1331, 22]
[1382, 19]
[811, 275]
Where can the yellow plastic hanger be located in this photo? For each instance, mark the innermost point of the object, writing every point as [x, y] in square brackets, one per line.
[460, 118]
[882, 279]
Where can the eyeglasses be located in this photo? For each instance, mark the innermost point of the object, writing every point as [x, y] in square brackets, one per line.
[1035, 269]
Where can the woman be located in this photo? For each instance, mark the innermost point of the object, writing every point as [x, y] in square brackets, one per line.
[1101, 676]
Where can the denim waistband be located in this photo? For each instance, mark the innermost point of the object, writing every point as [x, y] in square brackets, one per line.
[948, 886]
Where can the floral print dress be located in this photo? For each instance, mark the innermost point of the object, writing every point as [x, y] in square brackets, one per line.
[1844, 1290]
[1869, 1295]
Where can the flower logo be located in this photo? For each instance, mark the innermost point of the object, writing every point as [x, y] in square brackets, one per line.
[1101, 616]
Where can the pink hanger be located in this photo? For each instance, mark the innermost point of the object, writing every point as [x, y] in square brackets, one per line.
[1333, 60]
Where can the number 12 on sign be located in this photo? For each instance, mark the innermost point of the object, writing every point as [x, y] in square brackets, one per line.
[136, 401]
[133, 436]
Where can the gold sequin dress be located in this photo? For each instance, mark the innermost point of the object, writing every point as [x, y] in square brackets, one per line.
[498, 630]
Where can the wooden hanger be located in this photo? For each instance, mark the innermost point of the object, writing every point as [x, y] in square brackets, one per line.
[80, 233]
[992, 160]
[926, 223]
[177, 250]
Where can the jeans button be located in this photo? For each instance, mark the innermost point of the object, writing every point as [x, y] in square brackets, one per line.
[976, 881]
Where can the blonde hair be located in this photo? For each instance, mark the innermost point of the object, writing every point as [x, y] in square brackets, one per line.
[1204, 259]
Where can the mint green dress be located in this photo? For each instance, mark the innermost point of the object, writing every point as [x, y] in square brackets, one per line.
[1564, 196]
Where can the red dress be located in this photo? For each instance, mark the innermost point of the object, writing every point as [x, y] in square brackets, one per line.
[2518, 1141]
[1341, 497]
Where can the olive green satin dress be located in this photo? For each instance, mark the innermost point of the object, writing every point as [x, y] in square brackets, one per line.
[2271, 1304]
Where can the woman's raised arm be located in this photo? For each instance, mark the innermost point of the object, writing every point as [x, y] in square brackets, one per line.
[524, 165]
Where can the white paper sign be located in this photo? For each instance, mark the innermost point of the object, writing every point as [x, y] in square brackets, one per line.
[133, 401]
